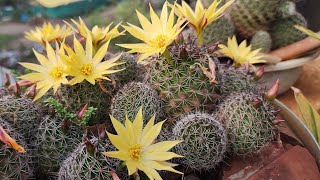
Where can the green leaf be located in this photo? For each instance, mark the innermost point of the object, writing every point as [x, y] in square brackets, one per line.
[310, 116]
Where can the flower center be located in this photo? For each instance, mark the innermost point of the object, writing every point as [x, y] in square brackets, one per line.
[159, 41]
[56, 72]
[87, 69]
[135, 151]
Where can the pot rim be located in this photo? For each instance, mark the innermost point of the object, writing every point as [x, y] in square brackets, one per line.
[293, 63]
[300, 130]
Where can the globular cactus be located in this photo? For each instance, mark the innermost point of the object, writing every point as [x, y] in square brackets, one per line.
[55, 140]
[249, 121]
[73, 98]
[204, 141]
[87, 162]
[284, 33]
[182, 84]
[25, 114]
[14, 165]
[250, 16]
[261, 40]
[287, 8]
[219, 30]
[133, 71]
[235, 80]
[131, 97]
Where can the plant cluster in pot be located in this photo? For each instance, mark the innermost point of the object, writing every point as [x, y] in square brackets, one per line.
[171, 110]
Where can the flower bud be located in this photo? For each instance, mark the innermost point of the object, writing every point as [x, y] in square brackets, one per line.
[179, 39]
[89, 147]
[273, 91]
[31, 91]
[213, 47]
[81, 113]
[65, 125]
[184, 53]
[6, 80]
[259, 73]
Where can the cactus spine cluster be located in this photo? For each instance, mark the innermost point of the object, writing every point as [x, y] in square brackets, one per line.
[248, 119]
[55, 140]
[14, 165]
[25, 114]
[261, 40]
[131, 97]
[204, 141]
[284, 33]
[219, 30]
[182, 83]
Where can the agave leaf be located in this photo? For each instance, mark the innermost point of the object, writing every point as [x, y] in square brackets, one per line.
[309, 114]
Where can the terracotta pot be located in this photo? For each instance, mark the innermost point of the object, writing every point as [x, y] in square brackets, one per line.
[287, 72]
[300, 130]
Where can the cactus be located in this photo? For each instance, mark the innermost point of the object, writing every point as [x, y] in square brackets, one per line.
[250, 16]
[24, 112]
[284, 33]
[133, 71]
[287, 8]
[75, 97]
[219, 30]
[204, 141]
[87, 163]
[261, 40]
[55, 140]
[248, 119]
[131, 97]
[182, 84]
[236, 80]
[14, 165]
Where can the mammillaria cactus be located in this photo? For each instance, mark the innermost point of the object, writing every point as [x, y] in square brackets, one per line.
[23, 112]
[55, 140]
[250, 16]
[261, 40]
[287, 8]
[204, 141]
[182, 84]
[249, 121]
[14, 165]
[87, 162]
[219, 30]
[131, 97]
[284, 33]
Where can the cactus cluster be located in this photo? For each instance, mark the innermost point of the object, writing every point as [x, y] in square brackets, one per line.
[203, 138]
[219, 30]
[15, 165]
[182, 83]
[87, 162]
[248, 119]
[55, 140]
[261, 40]
[131, 97]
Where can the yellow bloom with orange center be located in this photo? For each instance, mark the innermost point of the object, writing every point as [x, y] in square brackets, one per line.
[99, 35]
[136, 148]
[201, 17]
[49, 74]
[156, 35]
[83, 64]
[48, 33]
[308, 32]
[240, 54]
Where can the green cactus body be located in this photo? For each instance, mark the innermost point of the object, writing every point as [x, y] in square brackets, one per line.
[204, 141]
[248, 119]
[83, 164]
[23, 112]
[219, 30]
[261, 40]
[284, 33]
[131, 97]
[235, 80]
[75, 97]
[55, 140]
[14, 165]
[250, 16]
[182, 85]
[287, 8]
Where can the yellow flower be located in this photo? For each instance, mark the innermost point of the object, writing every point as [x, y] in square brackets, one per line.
[48, 33]
[99, 35]
[240, 54]
[50, 73]
[308, 32]
[136, 148]
[201, 17]
[84, 65]
[156, 35]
